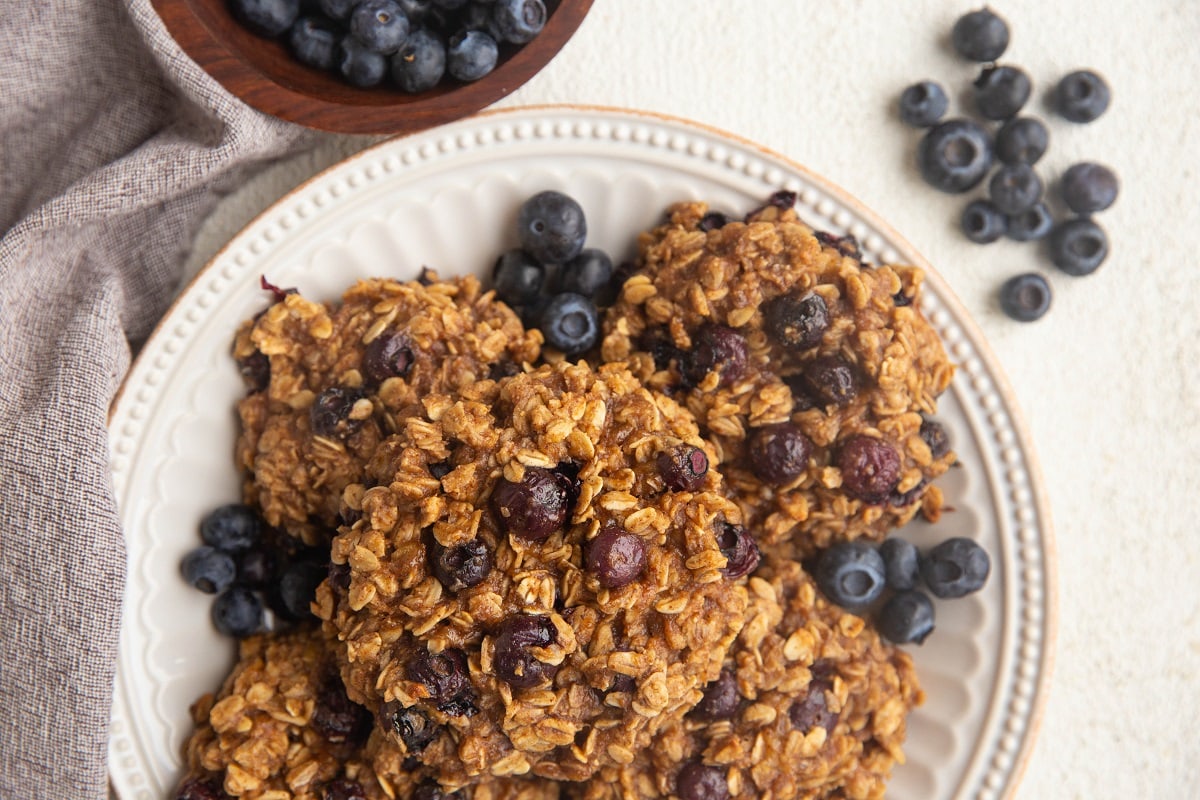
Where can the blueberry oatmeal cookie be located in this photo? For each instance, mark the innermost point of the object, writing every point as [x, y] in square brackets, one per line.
[329, 382]
[282, 728]
[811, 704]
[814, 374]
[543, 572]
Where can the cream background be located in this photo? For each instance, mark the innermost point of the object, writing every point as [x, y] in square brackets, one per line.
[1109, 380]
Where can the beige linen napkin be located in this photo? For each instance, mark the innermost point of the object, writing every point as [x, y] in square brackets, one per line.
[113, 147]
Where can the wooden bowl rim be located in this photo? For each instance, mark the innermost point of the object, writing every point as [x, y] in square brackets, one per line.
[226, 64]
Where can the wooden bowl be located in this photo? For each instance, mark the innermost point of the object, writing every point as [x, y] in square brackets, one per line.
[263, 74]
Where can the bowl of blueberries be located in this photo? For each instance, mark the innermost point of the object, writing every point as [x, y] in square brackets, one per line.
[371, 66]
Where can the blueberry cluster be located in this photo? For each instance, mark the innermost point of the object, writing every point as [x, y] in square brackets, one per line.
[858, 575]
[551, 279]
[959, 154]
[415, 43]
[251, 572]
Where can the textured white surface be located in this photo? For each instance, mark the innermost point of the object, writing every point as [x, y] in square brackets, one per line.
[1109, 380]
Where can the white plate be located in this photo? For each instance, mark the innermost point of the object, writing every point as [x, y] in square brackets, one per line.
[447, 199]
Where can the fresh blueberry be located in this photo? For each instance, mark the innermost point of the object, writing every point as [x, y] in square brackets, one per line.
[209, 570]
[982, 222]
[470, 55]
[923, 104]
[870, 468]
[256, 568]
[906, 618]
[1025, 297]
[388, 355]
[518, 277]
[779, 453]
[831, 380]
[233, 527]
[534, 508]
[1000, 92]
[380, 25]
[956, 567]
[293, 592]
[330, 413]
[1088, 187]
[551, 227]
[616, 557]
[462, 566]
[587, 273]
[902, 563]
[1032, 223]
[718, 348]
[980, 35]
[519, 21]
[683, 468]
[266, 17]
[1082, 96]
[360, 65]
[1022, 140]
[338, 9]
[446, 677]
[237, 612]
[720, 699]
[739, 548]
[570, 323]
[1014, 188]
[314, 41]
[955, 155]
[700, 781]
[798, 321]
[1078, 246]
[420, 62]
[514, 661]
[851, 574]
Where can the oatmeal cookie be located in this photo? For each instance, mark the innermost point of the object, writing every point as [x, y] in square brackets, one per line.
[329, 382]
[811, 704]
[545, 570]
[812, 372]
[282, 728]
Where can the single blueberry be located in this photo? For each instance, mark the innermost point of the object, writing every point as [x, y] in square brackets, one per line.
[683, 468]
[412, 726]
[380, 25]
[255, 370]
[420, 62]
[718, 348]
[330, 413]
[616, 557]
[431, 790]
[200, 789]
[519, 21]
[1014, 188]
[266, 17]
[360, 65]
[1032, 223]
[902, 563]
[551, 227]
[870, 468]
[462, 566]
[518, 277]
[1022, 140]
[237, 612]
[700, 781]
[344, 789]
[514, 661]
[1088, 187]
[470, 55]
[336, 717]
[906, 618]
[534, 508]
[739, 548]
[955, 155]
[446, 676]
[570, 323]
[314, 41]
[982, 222]
[851, 574]
[233, 527]
[256, 568]
[208, 569]
[798, 321]
[388, 355]
[934, 434]
[296, 588]
[812, 709]
[587, 273]
[832, 380]
[956, 567]
[1078, 246]
[980, 35]
[720, 699]
[1000, 92]
[338, 9]
[1025, 297]
[923, 104]
[779, 453]
[1082, 96]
